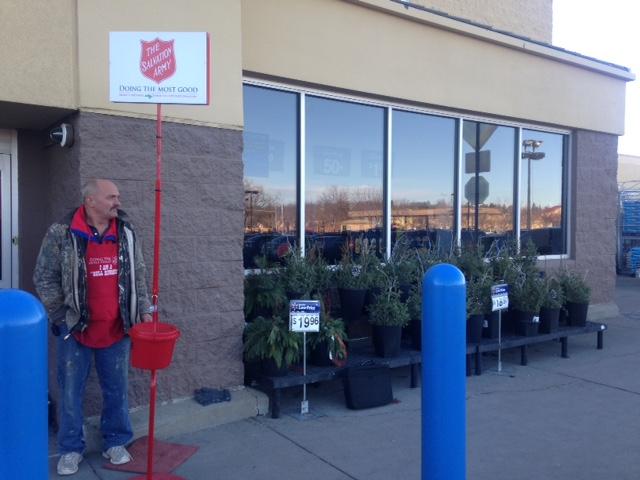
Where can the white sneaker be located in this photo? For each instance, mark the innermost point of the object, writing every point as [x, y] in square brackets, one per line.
[68, 463]
[117, 455]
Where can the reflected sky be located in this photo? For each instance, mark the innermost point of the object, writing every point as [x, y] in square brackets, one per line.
[271, 141]
[423, 158]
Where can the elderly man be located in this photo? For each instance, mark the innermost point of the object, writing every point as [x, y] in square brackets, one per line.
[90, 275]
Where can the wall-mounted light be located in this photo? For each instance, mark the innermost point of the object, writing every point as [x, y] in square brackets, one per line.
[62, 135]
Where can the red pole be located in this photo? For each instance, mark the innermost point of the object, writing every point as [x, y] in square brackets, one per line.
[156, 239]
[156, 285]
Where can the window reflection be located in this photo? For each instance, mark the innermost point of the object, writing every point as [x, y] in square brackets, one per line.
[541, 191]
[487, 183]
[344, 165]
[422, 179]
[270, 158]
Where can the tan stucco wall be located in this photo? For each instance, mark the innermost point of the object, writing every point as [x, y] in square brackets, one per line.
[355, 45]
[221, 18]
[531, 18]
[629, 169]
[37, 52]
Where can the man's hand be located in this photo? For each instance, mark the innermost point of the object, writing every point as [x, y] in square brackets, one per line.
[146, 317]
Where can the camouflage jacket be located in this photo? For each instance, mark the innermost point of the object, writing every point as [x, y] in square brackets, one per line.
[60, 275]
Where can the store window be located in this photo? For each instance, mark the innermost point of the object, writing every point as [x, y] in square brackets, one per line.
[422, 180]
[488, 161]
[542, 192]
[270, 169]
[344, 174]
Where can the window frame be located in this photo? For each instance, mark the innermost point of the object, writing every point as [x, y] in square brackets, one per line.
[399, 105]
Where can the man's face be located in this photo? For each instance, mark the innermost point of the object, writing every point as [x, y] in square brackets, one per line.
[104, 203]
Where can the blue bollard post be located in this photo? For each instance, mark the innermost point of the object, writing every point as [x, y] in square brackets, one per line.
[23, 386]
[443, 374]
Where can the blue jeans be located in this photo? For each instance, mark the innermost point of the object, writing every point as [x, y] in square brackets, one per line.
[112, 366]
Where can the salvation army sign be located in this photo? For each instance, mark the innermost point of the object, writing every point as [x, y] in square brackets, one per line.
[159, 67]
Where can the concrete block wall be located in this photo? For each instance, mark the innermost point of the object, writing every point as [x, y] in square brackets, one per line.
[201, 272]
[595, 209]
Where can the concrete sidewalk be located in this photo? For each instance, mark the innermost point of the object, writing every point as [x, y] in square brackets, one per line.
[556, 418]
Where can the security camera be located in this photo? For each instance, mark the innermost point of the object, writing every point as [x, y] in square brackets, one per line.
[62, 135]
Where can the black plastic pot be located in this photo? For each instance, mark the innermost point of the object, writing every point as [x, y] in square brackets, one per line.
[474, 328]
[549, 319]
[319, 355]
[270, 369]
[386, 340]
[415, 329]
[577, 314]
[351, 303]
[491, 325]
[525, 325]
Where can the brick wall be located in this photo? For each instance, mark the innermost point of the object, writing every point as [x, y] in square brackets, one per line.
[595, 210]
[201, 273]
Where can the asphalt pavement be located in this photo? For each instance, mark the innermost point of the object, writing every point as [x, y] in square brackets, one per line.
[576, 418]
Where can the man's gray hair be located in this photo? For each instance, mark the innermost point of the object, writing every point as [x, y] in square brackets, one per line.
[89, 188]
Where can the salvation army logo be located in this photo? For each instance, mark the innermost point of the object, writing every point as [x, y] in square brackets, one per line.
[157, 59]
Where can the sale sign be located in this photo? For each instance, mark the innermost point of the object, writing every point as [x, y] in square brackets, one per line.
[159, 67]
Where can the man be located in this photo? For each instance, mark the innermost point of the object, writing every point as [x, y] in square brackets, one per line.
[90, 275]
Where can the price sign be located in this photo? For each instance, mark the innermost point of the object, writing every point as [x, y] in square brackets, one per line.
[499, 297]
[304, 316]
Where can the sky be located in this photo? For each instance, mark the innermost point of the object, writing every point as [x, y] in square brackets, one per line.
[607, 31]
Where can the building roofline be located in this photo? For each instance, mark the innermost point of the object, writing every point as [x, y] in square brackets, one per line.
[470, 28]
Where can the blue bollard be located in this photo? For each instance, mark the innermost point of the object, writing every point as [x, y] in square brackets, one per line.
[23, 386]
[443, 374]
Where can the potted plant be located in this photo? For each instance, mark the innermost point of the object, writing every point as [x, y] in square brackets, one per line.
[297, 275]
[353, 277]
[478, 305]
[388, 314]
[552, 301]
[526, 298]
[414, 305]
[270, 341]
[328, 346]
[263, 292]
[577, 294]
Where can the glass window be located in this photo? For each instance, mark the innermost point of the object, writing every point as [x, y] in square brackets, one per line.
[344, 166]
[541, 191]
[270, 169]
[487, 183]
[422, 179]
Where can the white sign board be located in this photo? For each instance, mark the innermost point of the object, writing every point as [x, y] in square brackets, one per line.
[499, 297]
[159, 67]
[304, 316]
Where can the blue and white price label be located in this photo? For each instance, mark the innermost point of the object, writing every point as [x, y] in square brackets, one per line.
[304, 316]
[499, 297]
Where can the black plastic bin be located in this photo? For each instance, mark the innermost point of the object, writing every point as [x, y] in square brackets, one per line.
[367, 385]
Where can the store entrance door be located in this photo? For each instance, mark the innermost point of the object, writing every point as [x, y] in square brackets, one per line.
[6, 235]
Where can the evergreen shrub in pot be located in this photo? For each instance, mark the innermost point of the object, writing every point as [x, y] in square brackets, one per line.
[526, 298]
[552, 302]
[353, 277]
[388, 314]
[478, 305]
[577, 294]
[264, 294]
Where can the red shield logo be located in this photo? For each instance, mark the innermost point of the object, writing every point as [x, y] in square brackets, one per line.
[157, 59]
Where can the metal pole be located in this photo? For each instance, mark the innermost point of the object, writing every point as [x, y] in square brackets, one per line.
[443, 374]
[158, 215]
[499, 340]
[529, 193]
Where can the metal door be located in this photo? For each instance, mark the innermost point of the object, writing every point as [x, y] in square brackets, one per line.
[5, 221]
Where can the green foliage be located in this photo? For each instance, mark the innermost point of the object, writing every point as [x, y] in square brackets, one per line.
[388, 310]
[479, 293]
[527, 292]
[298, 274]
[574, 286]
[554, 296]
[263, 291]
[271, 339]
[414, 302]
[332, 332]
[356, 271]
